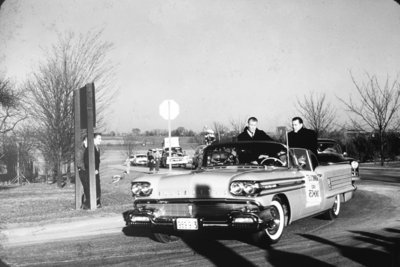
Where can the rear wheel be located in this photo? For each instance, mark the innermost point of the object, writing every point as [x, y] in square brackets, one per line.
[333, 212]
[164, 238]
[273, 225]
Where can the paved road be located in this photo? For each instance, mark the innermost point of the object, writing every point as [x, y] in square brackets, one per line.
[367, 233]
[391, 175]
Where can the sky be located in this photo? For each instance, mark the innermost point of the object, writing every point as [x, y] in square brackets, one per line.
[220, 60]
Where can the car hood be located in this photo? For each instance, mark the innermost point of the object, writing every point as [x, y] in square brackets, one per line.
[204, 183]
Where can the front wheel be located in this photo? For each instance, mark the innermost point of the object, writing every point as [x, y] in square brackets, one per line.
[333, 212]
[274, 225]
[164, 238]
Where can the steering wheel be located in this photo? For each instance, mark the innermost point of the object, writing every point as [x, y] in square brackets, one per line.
[275, 160]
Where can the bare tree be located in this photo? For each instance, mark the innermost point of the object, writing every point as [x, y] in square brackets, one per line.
[377, 108]
[18, 149]
[237, 126]
[130, 141]
[11, 109]
[69, 65]
[317, 112]
[220, 130]
[6, 95]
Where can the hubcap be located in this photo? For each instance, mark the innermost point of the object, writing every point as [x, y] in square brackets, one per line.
[273, 225]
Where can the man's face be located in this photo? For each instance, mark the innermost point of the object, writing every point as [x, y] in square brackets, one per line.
[252, 126]
[296, 125]
[97, 140]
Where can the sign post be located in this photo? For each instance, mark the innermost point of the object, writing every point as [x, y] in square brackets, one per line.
[78, 148]
[169, 110]
[85, 118]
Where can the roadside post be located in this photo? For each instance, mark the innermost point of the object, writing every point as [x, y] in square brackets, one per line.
[85, 118]
[169, 110]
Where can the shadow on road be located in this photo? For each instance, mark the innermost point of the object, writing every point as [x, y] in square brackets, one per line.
[283, 258]
[385, 251]
[221, 255]
[217, 253]
[279, 258]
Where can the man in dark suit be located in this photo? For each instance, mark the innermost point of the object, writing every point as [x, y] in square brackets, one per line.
[83, 174]
[302, 137]
[97, 141]
[251, 133]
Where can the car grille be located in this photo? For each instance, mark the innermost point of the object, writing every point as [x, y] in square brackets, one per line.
[214, 210]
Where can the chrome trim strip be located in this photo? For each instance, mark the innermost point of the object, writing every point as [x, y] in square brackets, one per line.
[214, 224]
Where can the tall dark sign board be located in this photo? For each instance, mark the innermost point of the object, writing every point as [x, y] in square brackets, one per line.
[85, 118]
[83, 96]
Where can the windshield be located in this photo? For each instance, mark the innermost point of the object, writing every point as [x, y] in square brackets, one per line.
[329, 147]
[246, 153]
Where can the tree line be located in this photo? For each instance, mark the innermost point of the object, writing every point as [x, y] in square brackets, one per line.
[38, 115]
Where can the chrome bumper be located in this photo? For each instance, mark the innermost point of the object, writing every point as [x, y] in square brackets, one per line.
[238, 221]
[239, 215]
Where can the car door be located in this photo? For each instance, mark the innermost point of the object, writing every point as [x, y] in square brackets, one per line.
[312, 193]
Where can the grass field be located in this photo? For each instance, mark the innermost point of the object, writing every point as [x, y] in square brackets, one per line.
[42, 202]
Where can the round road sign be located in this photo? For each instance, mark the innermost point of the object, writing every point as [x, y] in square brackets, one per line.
[169, 109]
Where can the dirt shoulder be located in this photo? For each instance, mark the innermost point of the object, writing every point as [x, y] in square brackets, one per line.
[18, 236]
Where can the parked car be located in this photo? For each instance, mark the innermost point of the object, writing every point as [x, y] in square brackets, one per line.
[139, 159]
[330, 152]
[178, 157]
[257, 188]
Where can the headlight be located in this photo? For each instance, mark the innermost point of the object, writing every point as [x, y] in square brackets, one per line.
[236, 188]
[354, 164]
[141, 189]
[244, 188]
[250, 189]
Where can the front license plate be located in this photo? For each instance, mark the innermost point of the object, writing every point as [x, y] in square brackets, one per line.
[187, 224]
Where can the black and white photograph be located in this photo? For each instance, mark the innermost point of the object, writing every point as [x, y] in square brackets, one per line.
[199, 133]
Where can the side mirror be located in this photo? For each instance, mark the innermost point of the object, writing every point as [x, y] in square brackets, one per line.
[345, 154]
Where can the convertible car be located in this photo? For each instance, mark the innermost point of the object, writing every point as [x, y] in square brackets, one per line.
[257, 188]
